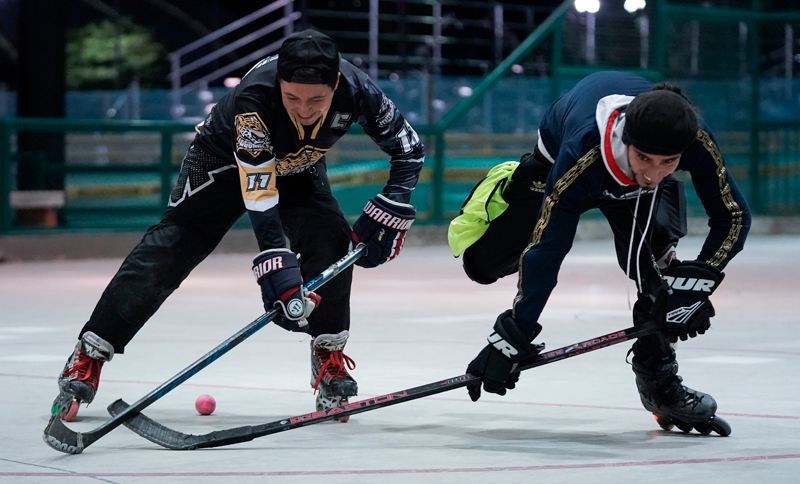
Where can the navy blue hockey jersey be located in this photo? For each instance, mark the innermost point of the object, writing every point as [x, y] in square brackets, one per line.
[581, 135]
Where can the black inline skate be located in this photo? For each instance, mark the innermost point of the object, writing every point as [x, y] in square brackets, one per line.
[663, 393]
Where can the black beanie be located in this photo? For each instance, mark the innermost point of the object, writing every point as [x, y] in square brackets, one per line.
[312, 51]
[660, 122]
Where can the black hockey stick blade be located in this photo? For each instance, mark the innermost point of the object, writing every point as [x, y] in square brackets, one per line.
[172, 439]
[62, 438]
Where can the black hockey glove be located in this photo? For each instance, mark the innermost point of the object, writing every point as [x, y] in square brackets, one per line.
[687, 311]
[498, 360]
[382, 228]
[277, 271]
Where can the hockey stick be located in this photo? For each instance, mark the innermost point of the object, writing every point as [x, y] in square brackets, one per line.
[60, 437]
[172, 439]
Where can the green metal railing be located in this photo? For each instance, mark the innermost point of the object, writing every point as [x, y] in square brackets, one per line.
[10, 127]
[165, 167]
[435, 135]
[766, 165]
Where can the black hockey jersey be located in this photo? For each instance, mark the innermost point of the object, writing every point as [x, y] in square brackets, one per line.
[250, 127]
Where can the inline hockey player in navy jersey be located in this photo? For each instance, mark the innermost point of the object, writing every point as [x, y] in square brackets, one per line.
[611, 143]
[262, 151]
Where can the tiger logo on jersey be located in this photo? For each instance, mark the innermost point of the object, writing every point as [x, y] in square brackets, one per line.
[251, 134]
[300, 161]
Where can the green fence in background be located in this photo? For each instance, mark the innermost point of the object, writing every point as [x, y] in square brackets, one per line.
[118, 175]
[130, 182]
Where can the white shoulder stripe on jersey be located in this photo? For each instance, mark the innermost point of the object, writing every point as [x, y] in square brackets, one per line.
[542, 149]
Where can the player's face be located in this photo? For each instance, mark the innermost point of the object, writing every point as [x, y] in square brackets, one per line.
[648, 170]
[307, 102]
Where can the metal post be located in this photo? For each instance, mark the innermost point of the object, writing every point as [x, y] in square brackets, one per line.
[373, 39]
[135, 99]
[591, 53]
[743, 67]
[430, 113]
[694, 46]
[644, 41]
[436, 48]
[488, 112]
[558, 46]
[788, 59]
[176, 109]
[437, 215]
[166, 165]
[498, 33]
[755, 109]
[659, 34]
[529, 20]
[6, 217]
[5, 110]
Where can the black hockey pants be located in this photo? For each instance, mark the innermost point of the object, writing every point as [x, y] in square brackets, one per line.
[497, 253]
[204, 205]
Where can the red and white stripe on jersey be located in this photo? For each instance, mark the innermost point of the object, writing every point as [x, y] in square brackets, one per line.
[611, 124]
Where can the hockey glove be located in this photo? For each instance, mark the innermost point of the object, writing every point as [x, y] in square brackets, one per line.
[687, 310]
[382, 228]
[277, 271]
[497, 362]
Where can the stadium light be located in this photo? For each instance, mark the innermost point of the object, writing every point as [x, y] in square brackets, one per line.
[634, 5]
[465, 91]
[588, 6]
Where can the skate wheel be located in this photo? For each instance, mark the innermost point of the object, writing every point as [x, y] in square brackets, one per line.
[720, 426]
[684, 427]
[346, 418]
[69, 413]
[325, 402]
[704, 429]
[664, 422]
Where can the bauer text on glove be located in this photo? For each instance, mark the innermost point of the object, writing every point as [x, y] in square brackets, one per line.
[497, 362]
[382, 229]
[687, 310]
[277, 271]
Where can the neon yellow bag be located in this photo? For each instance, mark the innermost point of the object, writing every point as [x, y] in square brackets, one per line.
[484, 204]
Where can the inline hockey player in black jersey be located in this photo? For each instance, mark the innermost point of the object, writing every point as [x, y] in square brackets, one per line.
[612, 143]
[262, 151]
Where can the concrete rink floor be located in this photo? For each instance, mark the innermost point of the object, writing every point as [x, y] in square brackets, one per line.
[415, 320]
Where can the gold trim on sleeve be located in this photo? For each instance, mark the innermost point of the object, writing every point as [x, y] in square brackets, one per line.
[547, 207]
[727, 199]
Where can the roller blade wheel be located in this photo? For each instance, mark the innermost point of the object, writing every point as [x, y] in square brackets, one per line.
[66, 406]
[714, 424]
[326, 402]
